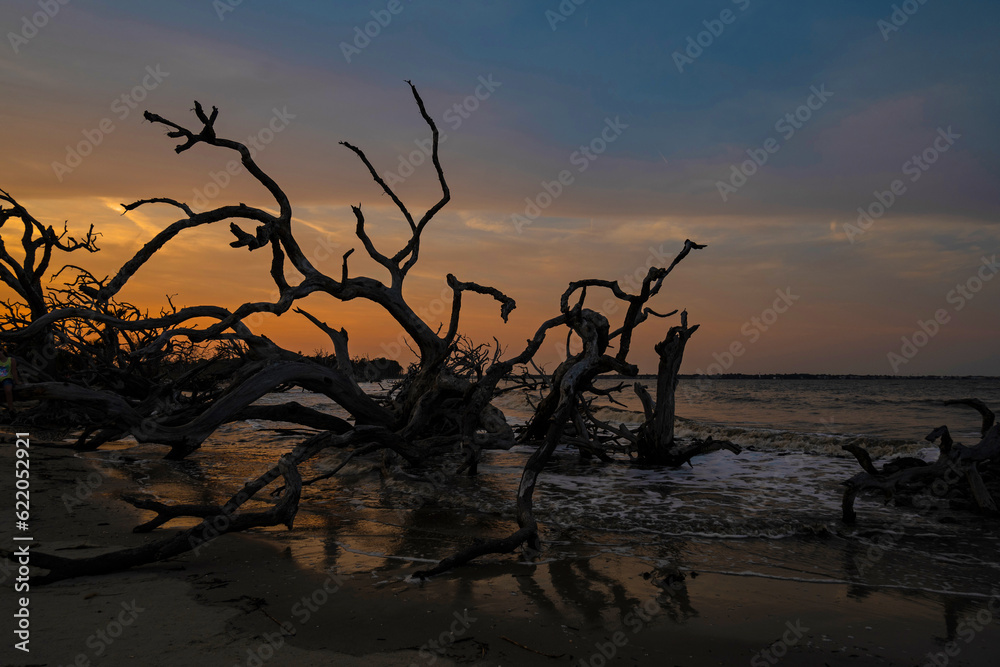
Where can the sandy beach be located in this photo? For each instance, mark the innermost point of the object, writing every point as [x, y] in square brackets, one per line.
[660, 333]
[243, 600]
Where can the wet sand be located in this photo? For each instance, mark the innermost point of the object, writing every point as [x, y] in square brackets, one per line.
[246, 600]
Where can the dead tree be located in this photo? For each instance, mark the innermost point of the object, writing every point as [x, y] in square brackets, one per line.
[61, 331]
[443, 406]
[24, 271]
[955, 475]
[655, 442]
[430, 384]
[571, 381]
[592, 328]
[38, 242]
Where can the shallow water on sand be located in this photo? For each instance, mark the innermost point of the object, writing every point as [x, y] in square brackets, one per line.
[773, 512]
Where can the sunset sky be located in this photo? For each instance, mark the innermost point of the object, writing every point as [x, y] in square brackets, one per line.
[652, 113]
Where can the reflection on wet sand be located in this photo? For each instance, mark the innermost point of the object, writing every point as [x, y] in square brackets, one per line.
[707, 544]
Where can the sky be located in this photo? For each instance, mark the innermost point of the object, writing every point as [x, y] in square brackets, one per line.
[839, 160]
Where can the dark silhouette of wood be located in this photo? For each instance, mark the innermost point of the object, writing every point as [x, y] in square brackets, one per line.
[907, 478]
[226, 520]
[655, 442]
[24, 274]
[988, 417]
[591, 327]
[444, 402]
[186, 438]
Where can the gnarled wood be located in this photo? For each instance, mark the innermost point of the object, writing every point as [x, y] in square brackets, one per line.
[227, 520]
[295, 413]
[679, 456]
[588, 325]
[655, 439]
[186, 438]
[955, 462]
[988, 417]
[443, 404]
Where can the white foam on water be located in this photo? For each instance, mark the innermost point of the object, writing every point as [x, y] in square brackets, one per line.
[767, 507]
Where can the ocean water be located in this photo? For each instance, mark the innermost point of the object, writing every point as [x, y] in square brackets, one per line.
[771, 512]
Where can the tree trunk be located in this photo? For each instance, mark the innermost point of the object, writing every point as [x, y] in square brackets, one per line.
[656, 437]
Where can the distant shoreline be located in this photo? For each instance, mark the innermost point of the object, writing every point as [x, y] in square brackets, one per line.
[802, 376]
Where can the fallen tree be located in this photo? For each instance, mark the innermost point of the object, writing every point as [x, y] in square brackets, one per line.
[955, 477]
[443, 405]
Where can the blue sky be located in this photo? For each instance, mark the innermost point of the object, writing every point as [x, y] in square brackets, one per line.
[789, 226]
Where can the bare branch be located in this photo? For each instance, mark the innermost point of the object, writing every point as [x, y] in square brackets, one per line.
[507, 304]
[988, 417]
[157, 200]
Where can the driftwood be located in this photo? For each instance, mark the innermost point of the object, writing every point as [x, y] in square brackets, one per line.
[590, 326]
[569, 381]
[655, 441]
[443, 405]
[295, 413]
[217, 520]
[227, 520]
[24, 274]
[956, 468]
[186, 438]
[988, 417]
